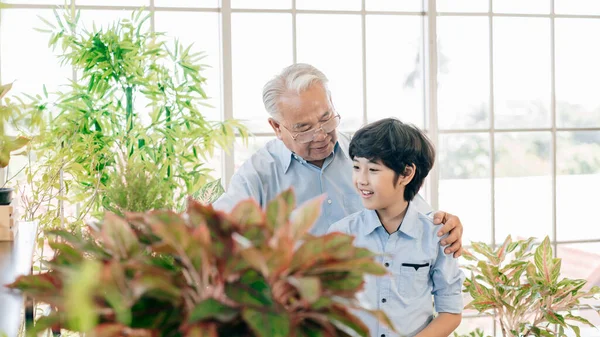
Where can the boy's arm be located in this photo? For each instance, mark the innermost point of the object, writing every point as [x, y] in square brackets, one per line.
[441, 326]
[447, 279]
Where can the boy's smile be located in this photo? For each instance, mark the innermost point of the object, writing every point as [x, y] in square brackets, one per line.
[366, 194]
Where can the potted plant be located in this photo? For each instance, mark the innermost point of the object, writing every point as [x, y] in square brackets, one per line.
[206, 273]
[137, 105]
[522, 288]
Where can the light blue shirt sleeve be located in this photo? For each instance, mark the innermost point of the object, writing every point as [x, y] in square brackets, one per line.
[239, 189]
[447, 279]
[340, 226]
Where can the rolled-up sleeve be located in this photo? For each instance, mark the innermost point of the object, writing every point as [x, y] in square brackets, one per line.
[447, 283]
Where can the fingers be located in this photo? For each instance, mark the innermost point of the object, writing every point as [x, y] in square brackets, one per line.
[452, 237]
[458, 253]
[453, 227]
[439, 217]
[450, 222]
[455, 248]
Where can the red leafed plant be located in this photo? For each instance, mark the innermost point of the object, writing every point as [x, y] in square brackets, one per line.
[206, 273]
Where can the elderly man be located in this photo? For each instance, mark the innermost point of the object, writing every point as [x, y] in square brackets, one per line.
[310, 155]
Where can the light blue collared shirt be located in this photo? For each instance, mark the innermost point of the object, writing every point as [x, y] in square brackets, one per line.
[274, 168]
[418, 268]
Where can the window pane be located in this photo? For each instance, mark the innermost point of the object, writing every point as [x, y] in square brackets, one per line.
[253, 37]
[394, 70]
[216, 164]
[104, 18]
[463, 72]
[243, 152]
[394, 5]
[577, 73]
[341, 61]
[465, 186]
[186, 3]
[465, 6]
[589, 7]
[522, 72]
[113, 2]
[523, 185]
[329, 4]
[578, 168]
[202, 30]
[269, 4]
[31, 64]
[520, 6]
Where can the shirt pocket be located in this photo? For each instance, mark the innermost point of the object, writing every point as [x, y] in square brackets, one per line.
[413, 280]
[352, 203]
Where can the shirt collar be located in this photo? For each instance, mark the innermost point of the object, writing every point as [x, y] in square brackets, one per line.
[343, 145]
[285, 155]
[410, 224]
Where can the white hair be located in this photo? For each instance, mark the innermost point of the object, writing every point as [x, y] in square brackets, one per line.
[297, 78]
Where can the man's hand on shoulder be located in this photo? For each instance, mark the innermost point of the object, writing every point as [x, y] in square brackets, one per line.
[453, 226]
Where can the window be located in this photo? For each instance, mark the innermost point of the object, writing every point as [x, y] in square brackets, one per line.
[508, 93]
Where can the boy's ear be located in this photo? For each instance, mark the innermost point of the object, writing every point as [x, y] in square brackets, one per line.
[408, 175]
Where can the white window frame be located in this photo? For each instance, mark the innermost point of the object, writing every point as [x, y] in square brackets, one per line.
[430, 15]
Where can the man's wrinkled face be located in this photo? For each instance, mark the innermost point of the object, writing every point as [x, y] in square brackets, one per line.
[307, 124]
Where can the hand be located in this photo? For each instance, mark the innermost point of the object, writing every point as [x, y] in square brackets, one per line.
[452, 226]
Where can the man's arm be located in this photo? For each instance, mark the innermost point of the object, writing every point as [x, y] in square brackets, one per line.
[239, 189]
[451, 225]
[454, 228]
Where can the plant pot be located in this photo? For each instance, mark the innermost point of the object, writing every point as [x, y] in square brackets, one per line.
[5, 196]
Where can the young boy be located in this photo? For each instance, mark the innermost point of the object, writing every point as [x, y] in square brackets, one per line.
[391, 160]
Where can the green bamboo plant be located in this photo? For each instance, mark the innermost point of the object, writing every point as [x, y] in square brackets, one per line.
[522, 288]
[9, 114]
[131, 122]
[20, 120]
[203, 273]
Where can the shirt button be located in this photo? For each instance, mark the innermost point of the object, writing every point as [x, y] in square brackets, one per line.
[329, 201]
[383, 300]
[387, 264]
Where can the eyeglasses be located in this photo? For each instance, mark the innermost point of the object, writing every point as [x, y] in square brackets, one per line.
[308, 136]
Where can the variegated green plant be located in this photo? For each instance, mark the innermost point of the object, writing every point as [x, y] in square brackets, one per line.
[523, 289]
[205, 273]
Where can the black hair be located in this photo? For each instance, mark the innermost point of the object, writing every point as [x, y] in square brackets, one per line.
[397, 145]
